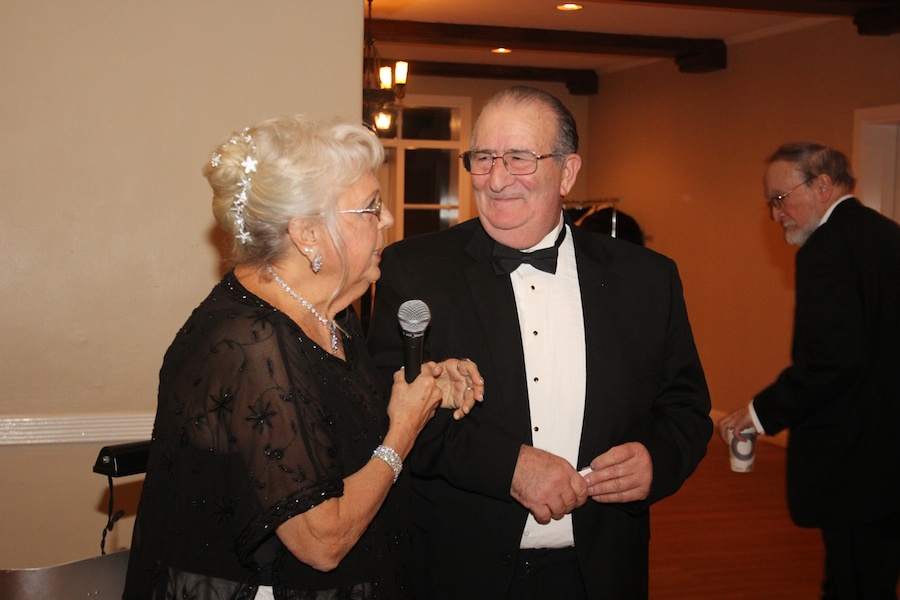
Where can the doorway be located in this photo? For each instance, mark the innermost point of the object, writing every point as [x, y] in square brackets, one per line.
[876, 158]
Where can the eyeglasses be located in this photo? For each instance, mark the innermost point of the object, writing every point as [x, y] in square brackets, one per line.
[777, 202]
[374, 208]
[517, 163]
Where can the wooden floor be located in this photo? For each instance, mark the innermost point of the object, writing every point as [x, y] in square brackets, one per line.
[728, 535]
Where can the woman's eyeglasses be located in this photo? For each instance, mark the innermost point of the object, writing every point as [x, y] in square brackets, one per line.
[374, 208]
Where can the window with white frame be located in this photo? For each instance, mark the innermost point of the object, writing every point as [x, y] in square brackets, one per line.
[422, 179]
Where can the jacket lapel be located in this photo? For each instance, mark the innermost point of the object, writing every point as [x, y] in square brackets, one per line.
[499, 333]
[598, 283]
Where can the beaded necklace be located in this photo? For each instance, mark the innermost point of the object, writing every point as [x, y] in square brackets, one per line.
[331, 326]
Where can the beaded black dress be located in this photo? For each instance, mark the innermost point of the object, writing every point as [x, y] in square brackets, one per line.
[256, 424]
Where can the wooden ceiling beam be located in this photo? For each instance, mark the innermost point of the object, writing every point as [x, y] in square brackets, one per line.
[872, 17]
[846, 8]
[878, 21]
[579, 82]
[692, 55]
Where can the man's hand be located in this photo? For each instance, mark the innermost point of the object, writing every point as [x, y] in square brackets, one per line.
[739, 420]
[547, 485]
[621, 474]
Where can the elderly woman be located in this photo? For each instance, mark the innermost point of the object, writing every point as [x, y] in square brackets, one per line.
[273, 451]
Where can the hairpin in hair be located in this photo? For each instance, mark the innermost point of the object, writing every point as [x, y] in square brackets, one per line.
[246, 182]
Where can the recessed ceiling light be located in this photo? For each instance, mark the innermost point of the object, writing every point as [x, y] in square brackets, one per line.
[501, 51]
[569, 6]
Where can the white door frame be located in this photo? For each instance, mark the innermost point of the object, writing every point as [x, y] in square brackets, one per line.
[876, 158]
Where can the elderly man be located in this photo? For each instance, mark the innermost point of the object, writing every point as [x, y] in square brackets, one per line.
[589, 365]
[841, 395]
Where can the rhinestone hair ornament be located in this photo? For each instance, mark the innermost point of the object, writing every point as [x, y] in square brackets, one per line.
[246, 182]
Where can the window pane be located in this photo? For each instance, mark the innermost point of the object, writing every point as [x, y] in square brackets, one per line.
[417, 222]
[429, 124]
[427, 176]
[430, 179]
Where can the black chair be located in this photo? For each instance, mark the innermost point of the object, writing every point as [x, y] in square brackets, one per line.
[120, 460]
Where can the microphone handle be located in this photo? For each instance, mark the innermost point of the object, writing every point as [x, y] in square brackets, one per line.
[413, 346]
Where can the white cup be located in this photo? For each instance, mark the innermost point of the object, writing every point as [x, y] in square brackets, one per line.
[741, 452]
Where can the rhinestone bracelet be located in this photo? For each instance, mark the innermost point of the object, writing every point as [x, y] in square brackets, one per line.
[390, 456]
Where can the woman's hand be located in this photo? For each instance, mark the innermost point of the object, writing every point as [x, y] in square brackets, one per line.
[411, 406]
[461, 385]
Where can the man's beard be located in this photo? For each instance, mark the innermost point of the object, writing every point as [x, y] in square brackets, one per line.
[798, 235]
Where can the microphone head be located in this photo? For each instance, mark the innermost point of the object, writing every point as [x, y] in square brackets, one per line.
[414, 317]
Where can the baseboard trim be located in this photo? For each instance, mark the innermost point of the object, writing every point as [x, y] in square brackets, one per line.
[68, 429]
[114, 428]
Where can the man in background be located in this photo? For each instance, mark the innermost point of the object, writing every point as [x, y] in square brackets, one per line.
[841, 395]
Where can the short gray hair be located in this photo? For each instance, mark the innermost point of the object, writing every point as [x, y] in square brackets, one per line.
[814, 159]
[566, 129]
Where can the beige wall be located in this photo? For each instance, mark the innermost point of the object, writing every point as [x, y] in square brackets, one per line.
[108, 111]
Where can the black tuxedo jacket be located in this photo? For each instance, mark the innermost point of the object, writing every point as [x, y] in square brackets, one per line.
[841, 395]
[644, 383]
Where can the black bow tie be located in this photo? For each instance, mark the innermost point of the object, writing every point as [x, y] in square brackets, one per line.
[506, 259]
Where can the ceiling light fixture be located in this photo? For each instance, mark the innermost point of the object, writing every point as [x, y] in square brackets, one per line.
[383, 86]
[569, 6]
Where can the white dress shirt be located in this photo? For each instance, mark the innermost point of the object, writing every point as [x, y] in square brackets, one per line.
[552, 327]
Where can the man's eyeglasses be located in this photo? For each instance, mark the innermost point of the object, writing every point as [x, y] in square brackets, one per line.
[777, 202]
[516, 163]
[374, 208]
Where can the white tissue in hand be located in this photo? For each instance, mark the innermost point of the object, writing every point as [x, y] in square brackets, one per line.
[585, 471]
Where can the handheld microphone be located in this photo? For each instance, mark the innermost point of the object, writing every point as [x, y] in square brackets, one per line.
[414, 317]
